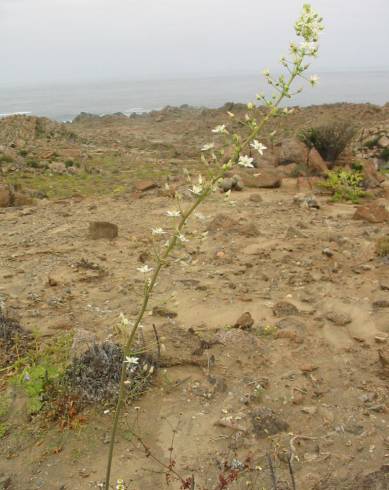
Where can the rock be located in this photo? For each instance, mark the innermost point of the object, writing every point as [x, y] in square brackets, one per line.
[316, 164]
[384, 284]
[245, 321]
[226, 184]
[311, 410]
[163, 312]
[284, 308]
[145, 185]
[5, 196]
[20, 199]
[327, 252]
[233, 183]
[381, 303]
[383, 142]
[238, 184]
[53, 281]
[292, 323]
[266, 179]
[291, 170]
[372, 212]
[5, 483]
[82, 341]
[255, 197]
[266, 423]
[340, 319]
[306, 201]
[58, 168]
[102, 229]
[371, 177]
[354, 428]
[383, 356]
[292, 150]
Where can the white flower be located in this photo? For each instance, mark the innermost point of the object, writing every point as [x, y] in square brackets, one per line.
[199, 215]
[145, 269]
[266, 72]
[196, 189]
[158, 231]
[246, 161]
[173, 214]
[313, 80]
[220, 129]
[208, 146]
[124, 321]
[182, 238]
[120, 485]
[258, 146]
[132, 360]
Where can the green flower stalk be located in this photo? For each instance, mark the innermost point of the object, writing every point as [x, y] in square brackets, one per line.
[226, 151]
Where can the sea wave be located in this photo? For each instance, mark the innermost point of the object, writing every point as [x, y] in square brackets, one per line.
[20, 113]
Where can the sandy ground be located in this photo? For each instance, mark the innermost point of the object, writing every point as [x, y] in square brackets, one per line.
[318, 384]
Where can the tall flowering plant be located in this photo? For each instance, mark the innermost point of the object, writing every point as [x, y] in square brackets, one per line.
[226, 150]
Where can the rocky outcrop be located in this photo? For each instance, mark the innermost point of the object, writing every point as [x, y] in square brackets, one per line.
[373, 213]
[11, 197]
[291, 150]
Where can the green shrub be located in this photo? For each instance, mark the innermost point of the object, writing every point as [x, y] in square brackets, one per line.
[23, 153]
[385, 154]
[345, 185]
[31, 162]
[69, 163]
[329, 139]
[6, 159]
[370, 144]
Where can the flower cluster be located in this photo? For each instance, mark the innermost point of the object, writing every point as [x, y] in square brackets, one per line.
[309, 25]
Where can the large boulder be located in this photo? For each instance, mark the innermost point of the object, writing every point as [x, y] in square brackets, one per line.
[292, 150]
[5, 196]
[316, 164]
[266, 178]
[371, 177]
[373, 213]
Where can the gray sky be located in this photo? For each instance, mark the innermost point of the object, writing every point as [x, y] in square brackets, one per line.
[75, 40]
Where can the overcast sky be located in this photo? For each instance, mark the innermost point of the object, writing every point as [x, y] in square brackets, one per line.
[76, 40]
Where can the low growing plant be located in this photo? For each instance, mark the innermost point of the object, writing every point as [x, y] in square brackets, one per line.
[382, 246]
[330, 139]
[385, 155]
[227, 150]
[345, 185]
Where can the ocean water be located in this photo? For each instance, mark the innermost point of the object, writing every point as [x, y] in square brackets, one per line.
[64, 101]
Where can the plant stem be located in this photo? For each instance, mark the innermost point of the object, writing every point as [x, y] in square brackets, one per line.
[162, 260]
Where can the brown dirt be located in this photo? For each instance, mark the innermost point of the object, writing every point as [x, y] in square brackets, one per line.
[302, 383]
